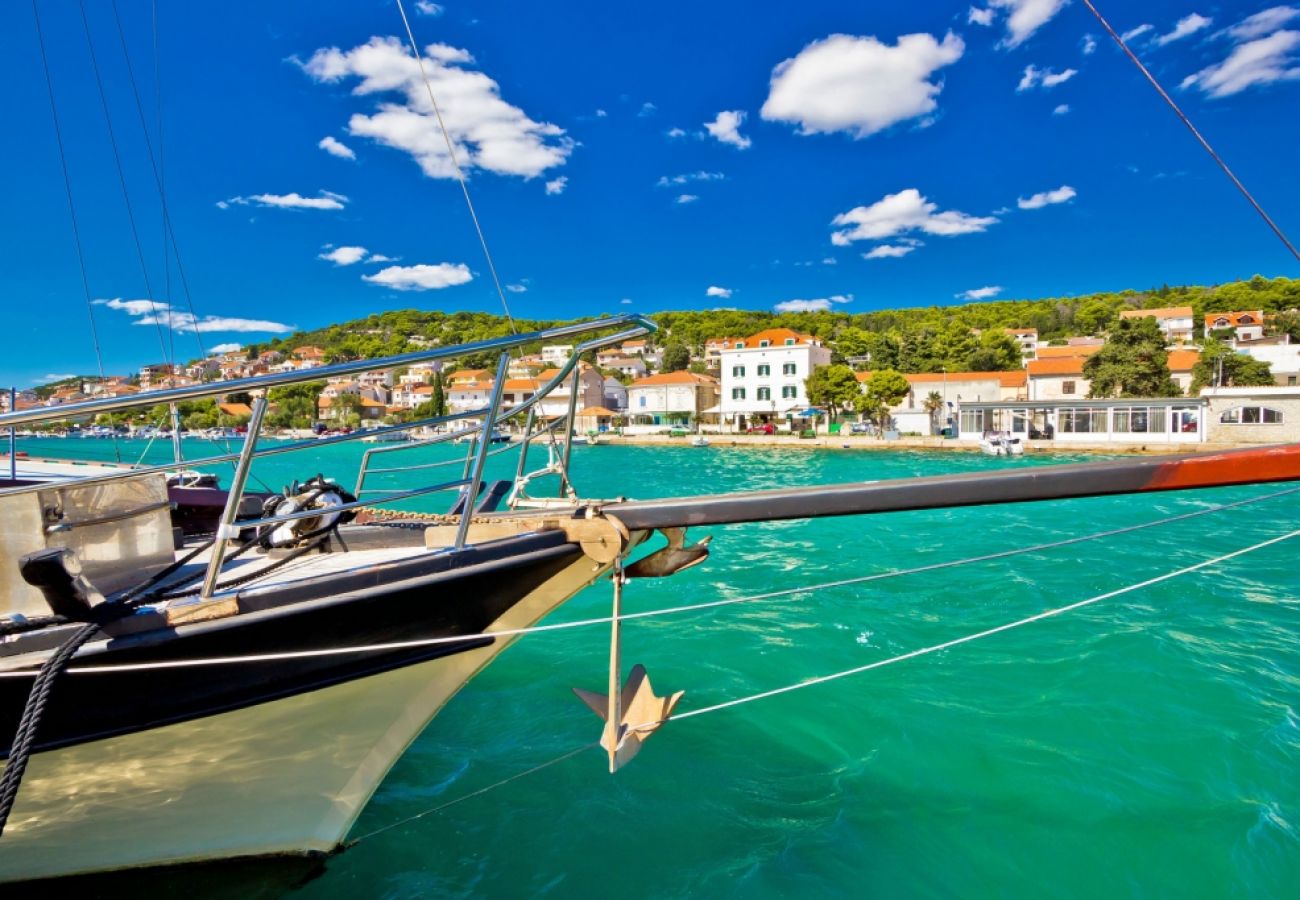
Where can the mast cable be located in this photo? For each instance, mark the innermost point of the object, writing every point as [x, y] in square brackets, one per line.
[460, 175]
[159, 173]
[126, 197]
[654, 613]
[72, 208]
[1192, 128]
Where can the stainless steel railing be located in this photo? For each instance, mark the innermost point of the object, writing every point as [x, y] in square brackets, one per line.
[487, 419]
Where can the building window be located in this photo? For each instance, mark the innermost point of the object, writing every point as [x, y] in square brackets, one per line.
[764, 371]
[737, 371]
[764, 393]
[737, 393]
[1067, 387]
[1138, 419]
[788, 369]
[1251, 415]
[740, 345]
[789, 342]
[641, 401]
[1081, 421]
[1185, 420]
[790, 392]
[1290, 381]
[972, 420]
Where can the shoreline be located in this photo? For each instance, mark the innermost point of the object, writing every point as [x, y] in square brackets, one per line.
[938, 444]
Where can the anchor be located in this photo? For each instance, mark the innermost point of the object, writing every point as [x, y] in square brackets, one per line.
[631, 710]
[671, 559]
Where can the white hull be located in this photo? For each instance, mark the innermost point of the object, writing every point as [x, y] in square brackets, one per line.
[286, 777]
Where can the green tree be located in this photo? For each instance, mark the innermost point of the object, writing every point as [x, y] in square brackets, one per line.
[997, 352]
[677, 356]
[438, 399]
[885, 390]
[1221, 366]
[834, 387]
[1132, 363]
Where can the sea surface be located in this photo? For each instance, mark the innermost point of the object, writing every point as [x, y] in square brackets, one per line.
[1146, 745]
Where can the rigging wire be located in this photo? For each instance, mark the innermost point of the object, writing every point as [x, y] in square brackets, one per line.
[460, 175]
[126, 197]
[834, 676]
[655, 613]
[169, 233]
[72, 208]
[1192, 128]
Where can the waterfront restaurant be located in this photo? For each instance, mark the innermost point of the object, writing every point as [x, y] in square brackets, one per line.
[1176, 420]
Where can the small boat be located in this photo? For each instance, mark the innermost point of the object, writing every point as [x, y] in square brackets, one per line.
[999, 443]
[699, 441]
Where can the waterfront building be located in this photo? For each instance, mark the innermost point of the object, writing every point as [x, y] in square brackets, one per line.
[591, 391]
[1282, 356]
[1264, 415]
[763, 376]
[1057, 378]
[671, 399]
[1162, 420]
[614, 394]
[1174, 321]
[1246, 326]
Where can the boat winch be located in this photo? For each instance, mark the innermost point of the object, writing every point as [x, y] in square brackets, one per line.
[318, 493]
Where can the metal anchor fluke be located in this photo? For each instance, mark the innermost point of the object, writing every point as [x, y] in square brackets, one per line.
[642, 713]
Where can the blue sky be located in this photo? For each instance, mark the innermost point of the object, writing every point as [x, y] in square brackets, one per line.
[628, 157]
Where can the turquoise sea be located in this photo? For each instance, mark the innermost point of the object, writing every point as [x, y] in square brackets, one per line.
[1144, 746]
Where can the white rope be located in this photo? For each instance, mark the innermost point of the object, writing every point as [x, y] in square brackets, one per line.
[935, 648]
[646, 614]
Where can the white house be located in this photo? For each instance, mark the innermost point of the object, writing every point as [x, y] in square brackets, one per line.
[1247, 326]
[1174, 321]
[556, 354]
[633, 366]
[615, 394]
[1282, 356]
[763, 375]
[591, 391]
[670, 398]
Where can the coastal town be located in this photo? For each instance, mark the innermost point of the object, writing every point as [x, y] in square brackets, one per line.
[781, 383]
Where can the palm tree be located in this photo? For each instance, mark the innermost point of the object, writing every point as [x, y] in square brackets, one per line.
[933, 403]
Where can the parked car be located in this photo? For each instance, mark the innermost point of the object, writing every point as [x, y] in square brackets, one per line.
[764, 428]
[860, 428]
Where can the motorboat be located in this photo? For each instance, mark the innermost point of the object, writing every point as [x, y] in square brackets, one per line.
[1000, 443]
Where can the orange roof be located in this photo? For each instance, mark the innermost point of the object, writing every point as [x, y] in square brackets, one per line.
[1233, 319]
[1183, 360]
[1067, 365]
[1021, 330]
[522, 384]
[235, 409]
[1071, 350]
[673, 378]
[596, 411]
[776, 337]
[1164, 312]
[724, 342]
[468, 375]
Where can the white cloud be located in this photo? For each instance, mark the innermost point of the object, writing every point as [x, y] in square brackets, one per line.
[1047, 198]
[647, 109]
[1088, 45]
[830, 261]
[1187, 25]
[325, 200]
[155, 312]
[557, 185]
[978, 16]
[1024, 17]
[900, 213]
[674, 133]
[1134, 33]
[983, 293]
[686, 178]
[600, 114]
[1044, 78]
[858, 84]
[380, 258]
[1061, 109]
[426, 8]
[726, 128]
[421, 277]
[516, 288]
[336, 148]
[625, 302]
[1262, 23]
[1256, 62]
[686, 198]
[487, 132]
[714, 291]
[345, 256]
[224, 348]
[819, 305]
[48, 378]
[890, 251]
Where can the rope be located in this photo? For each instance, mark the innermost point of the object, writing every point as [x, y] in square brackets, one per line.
[1192, 128]
[822, 679]
[460, 176]
[72, 207]
[935, 648]
[654, 613]
[25, 736]
[478, 793]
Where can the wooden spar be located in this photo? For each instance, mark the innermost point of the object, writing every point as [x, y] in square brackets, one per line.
[1126, 476]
